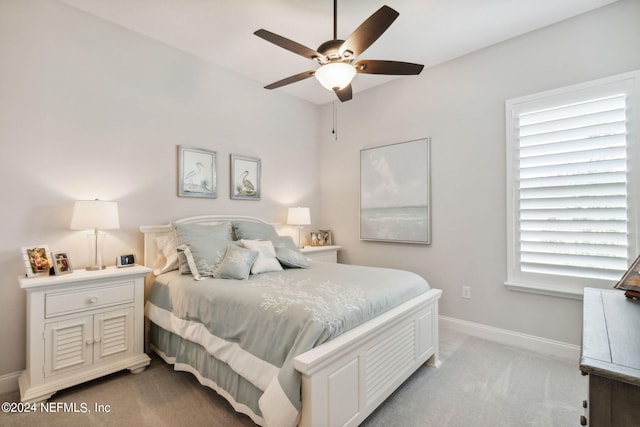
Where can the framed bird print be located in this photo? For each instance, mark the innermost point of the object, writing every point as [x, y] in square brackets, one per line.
[197, 175]
[245, 178]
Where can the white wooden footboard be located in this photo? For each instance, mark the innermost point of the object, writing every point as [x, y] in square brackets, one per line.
[345, 379]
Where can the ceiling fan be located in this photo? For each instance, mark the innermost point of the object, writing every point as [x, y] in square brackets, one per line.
[336, 57]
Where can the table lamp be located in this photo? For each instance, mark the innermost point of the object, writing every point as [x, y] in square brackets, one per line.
[299, 216]
[97, 215]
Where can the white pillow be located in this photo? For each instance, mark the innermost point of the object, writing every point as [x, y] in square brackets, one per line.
[167, 245]
[266, 260]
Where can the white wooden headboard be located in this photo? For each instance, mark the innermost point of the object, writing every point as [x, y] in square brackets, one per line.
[152, 231]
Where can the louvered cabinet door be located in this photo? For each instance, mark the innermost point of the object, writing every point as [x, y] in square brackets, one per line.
[68, 345]
[113, 334]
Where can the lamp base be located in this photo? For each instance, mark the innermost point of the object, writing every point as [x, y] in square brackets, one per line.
[300, 243]
[96, 242]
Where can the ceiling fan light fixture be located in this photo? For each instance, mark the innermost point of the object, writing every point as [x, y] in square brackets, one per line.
[335, 75]
[336, 57]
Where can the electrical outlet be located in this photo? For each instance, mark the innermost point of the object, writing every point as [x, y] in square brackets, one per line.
[466, 292]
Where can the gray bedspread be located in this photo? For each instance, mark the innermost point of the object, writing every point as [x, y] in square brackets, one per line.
[258, 326]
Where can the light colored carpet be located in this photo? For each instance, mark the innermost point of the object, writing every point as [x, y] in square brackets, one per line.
[484, 384]
[479, 384]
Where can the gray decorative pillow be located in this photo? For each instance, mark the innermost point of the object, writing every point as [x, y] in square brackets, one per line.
[291, 259]
[236, 264]
[198, 235]
[284, 242]
[288, 253]
[204, 258]
[253, 230]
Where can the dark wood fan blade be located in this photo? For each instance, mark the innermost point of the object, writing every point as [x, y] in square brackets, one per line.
[345, 94]
[368, 32]
[292, 79]
[372, 66]
[290, 45]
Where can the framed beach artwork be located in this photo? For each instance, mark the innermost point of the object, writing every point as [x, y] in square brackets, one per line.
[245, 177]
[197, 173]
[395, 194]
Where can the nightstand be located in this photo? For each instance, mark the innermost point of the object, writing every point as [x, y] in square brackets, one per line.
[81, 326]
[321, 253]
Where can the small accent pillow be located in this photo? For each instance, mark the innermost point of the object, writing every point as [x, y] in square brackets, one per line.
[288, 253]
[266, 260]
[168, 246]
[236, 264]
[198, 235]
[204, 258]
[291, 259]
[253, 230]
[284, 242]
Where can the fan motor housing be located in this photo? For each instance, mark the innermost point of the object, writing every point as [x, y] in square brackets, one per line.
[331, 49]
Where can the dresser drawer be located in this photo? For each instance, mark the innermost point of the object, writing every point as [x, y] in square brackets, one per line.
[72, 301]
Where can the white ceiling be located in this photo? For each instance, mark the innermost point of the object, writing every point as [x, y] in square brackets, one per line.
[427, 31]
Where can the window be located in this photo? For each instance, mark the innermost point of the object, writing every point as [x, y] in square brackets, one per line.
[571, 186]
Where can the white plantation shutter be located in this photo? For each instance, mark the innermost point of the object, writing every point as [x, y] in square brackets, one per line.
[570, 186]
[573, 189]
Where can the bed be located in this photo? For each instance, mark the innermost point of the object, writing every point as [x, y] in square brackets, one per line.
[313, 344]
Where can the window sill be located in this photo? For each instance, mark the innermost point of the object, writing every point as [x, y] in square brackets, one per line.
[554, 291]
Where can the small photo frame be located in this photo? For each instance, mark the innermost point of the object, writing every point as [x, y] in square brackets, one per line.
[321, 238]
[36, 260]
[61, 263]
[197, 175]
[245, 178]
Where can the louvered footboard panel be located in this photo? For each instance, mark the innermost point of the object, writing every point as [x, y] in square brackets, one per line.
[345, 379]
[387, 358]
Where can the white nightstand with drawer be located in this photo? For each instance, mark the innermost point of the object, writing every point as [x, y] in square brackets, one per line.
[321, 253]
[81, 326]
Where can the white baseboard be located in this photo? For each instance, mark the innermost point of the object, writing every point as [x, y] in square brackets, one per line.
[9, 382]
[547, 347]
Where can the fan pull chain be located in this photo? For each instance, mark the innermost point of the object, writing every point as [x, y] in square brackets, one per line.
[335, 121]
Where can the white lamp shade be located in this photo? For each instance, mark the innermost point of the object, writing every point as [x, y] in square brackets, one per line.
[95, 214]
[335, 75]
[299, 216]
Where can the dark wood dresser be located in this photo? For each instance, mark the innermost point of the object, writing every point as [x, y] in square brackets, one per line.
[611, 357]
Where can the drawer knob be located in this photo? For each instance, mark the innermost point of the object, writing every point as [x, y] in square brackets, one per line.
[97, 339]
[93, 300]
[89, 341]
[583, 420]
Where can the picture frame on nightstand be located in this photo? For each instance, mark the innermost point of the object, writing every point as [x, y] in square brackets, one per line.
[36, 260]
[61, 263]
[321, 238]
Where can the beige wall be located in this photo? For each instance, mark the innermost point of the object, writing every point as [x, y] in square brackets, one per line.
[460, 105]
[88, 109]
